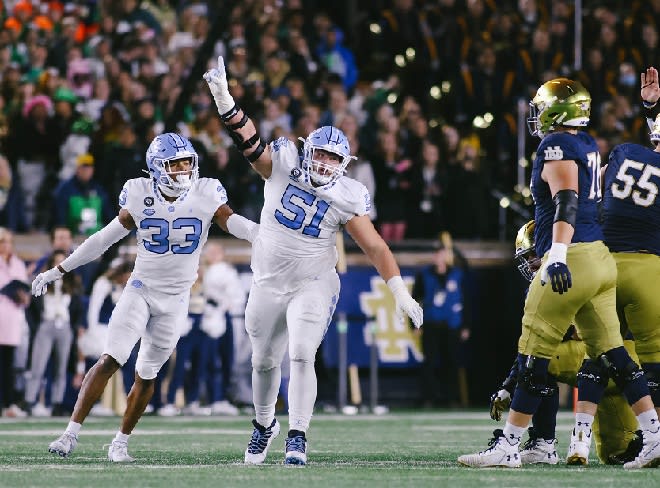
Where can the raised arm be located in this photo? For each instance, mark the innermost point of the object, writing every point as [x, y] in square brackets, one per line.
[241, 128]
[363, 232]
[650, 93]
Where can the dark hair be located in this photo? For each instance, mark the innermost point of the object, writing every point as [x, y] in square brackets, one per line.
[71, 283]
[56, 228]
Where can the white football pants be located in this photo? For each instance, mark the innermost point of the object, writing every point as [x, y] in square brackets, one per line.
[300, 319]
[149, 315]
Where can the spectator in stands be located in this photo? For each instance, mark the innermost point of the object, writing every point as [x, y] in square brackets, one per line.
[80, 202]
[11, 205]
[427, 194]
[439, 289]
[13, 301]
[56, 315]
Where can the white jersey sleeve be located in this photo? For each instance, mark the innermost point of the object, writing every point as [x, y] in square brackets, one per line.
[296, 240]
[170, 235]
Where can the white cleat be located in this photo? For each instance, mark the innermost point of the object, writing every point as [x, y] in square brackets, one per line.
[649, 457]
[578, 450]
[224, 408]
[499, 454]
[260, 442]
[168, 410]
[118, 452]
[193, 408]
[295, 450]
[64, 444]
[539, 451]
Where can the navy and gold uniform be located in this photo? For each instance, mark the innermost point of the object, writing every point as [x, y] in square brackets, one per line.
[631, 223]
[590, 302]
[614, 425]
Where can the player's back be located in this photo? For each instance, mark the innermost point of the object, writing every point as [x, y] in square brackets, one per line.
[296, 240]
[564, 146]
[631, 209]
[170, 235]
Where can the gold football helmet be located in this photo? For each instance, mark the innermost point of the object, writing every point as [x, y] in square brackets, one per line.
[526, 259]
[558, 103]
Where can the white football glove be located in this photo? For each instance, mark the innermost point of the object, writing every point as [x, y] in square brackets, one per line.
[40, 283]
[404, 302]
[216, 78]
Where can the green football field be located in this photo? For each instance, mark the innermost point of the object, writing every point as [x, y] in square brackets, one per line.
[397, 449]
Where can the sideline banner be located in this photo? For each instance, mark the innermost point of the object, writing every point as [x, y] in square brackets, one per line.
[367, 302]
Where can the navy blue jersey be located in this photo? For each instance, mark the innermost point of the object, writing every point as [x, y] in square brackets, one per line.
[631, 211]
[564, 146]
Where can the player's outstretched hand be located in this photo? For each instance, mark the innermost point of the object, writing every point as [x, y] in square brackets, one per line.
[408, 305]
[216, 79]
[650, 90]
[40, 283]
[404, 302]
[499, 402]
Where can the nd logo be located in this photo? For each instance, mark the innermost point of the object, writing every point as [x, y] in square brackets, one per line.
[394, 338]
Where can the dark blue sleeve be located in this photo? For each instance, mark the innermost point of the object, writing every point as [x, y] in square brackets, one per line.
[560, 146]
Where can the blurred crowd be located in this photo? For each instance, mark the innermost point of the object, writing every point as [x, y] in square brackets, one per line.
[427, 92]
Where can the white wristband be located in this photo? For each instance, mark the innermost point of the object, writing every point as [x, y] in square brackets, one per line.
[557, 253]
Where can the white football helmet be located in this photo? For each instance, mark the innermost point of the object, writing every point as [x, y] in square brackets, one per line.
[164, 149]
[330, 139]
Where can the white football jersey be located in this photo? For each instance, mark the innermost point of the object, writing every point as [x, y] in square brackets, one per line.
[170, 235]
[296, 240]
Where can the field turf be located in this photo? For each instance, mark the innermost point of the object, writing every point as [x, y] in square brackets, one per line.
[400, 449]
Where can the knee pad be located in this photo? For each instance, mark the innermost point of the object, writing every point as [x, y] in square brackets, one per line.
[534, 377]
[627, 375]
[533, 384]
[652, 372]
[592, 379]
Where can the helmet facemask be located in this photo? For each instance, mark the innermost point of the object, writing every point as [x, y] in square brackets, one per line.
[163, 151]
[333, 141]
[174, 183]
[527, 262]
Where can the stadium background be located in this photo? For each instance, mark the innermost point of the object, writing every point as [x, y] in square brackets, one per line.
[451, 74]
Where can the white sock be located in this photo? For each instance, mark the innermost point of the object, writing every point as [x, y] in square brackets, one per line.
[121, 437]
[73, 427]
[265, 386]
[583, 422]
[302, 394]
[513, 433]
[648, 420]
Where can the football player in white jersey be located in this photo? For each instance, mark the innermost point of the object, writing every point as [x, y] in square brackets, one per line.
[171, 212]
[295, 286]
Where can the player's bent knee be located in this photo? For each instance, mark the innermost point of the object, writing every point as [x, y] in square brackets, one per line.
[592, 378]
[534, 384]
[107, 364]
[628, 376]
[652, 372]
